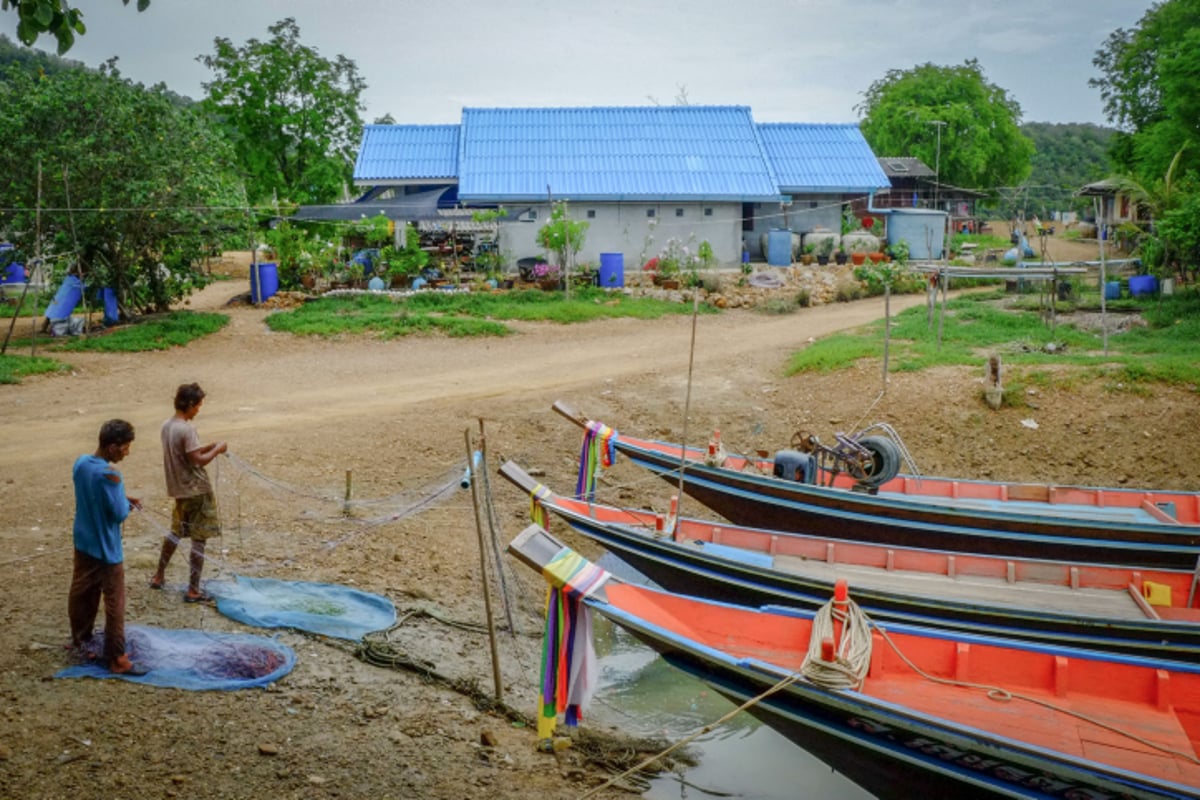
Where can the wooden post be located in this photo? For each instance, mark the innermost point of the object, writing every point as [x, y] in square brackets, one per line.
[346, 502]
[483, 579]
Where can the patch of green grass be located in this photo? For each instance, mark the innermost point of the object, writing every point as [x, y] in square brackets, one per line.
[15, 367]
[833, 352]
[175, 329]
[975, 326]
[463, 314]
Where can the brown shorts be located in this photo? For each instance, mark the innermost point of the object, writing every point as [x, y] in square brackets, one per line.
[196, 517]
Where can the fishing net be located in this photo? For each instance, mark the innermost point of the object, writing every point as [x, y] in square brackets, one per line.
[191, 659]
[324, 608]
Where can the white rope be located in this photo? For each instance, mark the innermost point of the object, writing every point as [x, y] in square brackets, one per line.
[852, 658]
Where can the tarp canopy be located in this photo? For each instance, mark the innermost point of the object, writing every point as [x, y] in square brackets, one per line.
[421, 205]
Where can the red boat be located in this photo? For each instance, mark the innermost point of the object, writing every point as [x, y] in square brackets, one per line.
[923, 712]
[1136, 611]
[1129, 527]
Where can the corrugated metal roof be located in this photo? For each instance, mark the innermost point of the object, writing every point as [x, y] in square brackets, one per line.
[615, 153]
[905, 167]
[407, 152]
[810, 157]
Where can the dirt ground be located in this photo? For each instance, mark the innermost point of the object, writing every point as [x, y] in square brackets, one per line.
[303, 412]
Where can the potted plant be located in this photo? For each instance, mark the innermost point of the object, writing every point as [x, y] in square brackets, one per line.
[547, 276]
[806, 257]
[841, 256]
[824, 250]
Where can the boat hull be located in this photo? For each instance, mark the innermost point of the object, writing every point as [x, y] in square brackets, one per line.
[767, 502]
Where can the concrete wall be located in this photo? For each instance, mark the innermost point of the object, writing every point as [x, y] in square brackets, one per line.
[805, 214]
[626, 228]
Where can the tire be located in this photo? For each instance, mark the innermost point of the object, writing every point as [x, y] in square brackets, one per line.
[884, 463]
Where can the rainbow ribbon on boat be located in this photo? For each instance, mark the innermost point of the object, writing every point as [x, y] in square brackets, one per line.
[568, 657]
[598, 451]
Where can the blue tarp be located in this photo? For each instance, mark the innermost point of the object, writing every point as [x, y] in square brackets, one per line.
[197, 660]
[324, 608]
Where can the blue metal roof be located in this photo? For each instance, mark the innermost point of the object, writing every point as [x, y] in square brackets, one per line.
[809, 157]
[622, 153]
[407, 152]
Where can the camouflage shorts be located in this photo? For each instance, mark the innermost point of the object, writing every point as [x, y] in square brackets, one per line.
[196, 517]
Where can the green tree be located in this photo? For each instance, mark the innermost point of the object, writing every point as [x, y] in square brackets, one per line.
[55, 17]
[1148, 83]
[1066, 156]
[981, 143]
[292, 115]
[134, 189]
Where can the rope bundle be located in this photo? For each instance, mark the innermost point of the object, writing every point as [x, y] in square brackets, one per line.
[853, 656]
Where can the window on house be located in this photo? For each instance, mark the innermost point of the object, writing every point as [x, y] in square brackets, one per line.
[812, 203]
[747, 216]
[649, 212]
[591, 213]
[708, 212]
[679, 212]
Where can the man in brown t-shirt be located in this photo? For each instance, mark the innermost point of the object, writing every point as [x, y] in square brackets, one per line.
[195, 514]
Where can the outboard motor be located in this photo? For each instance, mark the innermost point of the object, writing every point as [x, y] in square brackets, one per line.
[792, 465]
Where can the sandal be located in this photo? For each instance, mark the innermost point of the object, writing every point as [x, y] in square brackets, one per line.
[155, 584]
[198, 597]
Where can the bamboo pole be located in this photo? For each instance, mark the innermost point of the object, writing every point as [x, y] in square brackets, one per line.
[483, 579]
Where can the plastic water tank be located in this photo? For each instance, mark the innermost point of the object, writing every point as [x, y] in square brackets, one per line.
[779, 248]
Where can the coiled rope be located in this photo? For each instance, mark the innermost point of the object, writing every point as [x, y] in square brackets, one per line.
[852, 657]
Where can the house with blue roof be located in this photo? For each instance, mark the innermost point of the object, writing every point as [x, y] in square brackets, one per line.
[639, 176]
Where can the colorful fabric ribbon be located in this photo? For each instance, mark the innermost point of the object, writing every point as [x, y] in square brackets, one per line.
[568, 657]
[598, 451]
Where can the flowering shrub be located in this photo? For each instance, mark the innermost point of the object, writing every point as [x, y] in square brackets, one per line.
[545, 272]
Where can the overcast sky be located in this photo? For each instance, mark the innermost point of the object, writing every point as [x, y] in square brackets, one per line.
[789, 60]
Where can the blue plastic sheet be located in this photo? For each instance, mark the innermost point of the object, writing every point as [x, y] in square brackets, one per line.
[324, 608]
[196, 660]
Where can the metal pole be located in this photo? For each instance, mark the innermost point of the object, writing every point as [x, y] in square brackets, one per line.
[937, 168]
[1098, 205]
[483, 579]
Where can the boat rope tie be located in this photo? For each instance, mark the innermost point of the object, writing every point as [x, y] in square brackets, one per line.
[1003, 695]
[597, 453]
[839, 648]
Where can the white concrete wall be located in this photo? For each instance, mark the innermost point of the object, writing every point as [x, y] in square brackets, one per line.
[626, 228]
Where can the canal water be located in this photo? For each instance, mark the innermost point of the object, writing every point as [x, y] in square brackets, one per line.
[642, 695]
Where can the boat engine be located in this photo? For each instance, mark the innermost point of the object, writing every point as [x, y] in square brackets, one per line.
[795, 466]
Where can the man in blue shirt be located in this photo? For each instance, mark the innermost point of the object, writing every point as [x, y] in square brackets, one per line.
[100, 507]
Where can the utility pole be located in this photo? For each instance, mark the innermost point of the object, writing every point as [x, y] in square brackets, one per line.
[937, 167]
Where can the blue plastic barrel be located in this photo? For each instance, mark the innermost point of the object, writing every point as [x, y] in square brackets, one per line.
[1112, 290]
[612, 269]
[1142, 284]
[13, 273]
[264, 281]
[66, 298]
[108, 297]
[779, 248]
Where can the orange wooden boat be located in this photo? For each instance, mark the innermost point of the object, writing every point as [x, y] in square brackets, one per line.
[1136, 611]
[919, 710]
[1130, 527]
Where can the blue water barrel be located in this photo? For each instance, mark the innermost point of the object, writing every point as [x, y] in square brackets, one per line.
[264, 281]
[612, 269]
[66, 298]
[1142, 284]
[1112, 290]
[779, 248]
[108, 297]
[13, 273]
